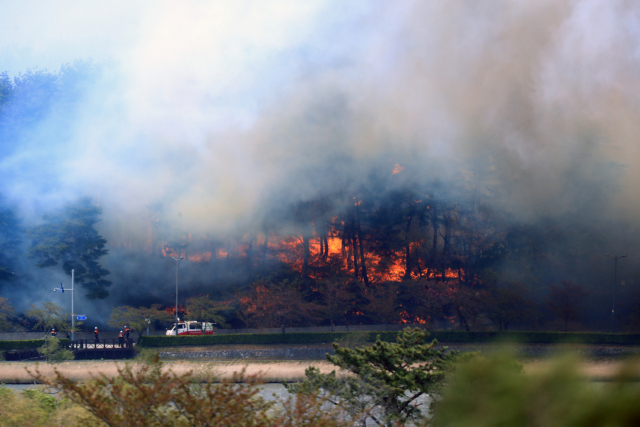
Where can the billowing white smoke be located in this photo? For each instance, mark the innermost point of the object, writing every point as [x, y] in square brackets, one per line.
[212, 108]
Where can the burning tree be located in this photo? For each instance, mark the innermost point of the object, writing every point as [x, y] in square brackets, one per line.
[427, 244]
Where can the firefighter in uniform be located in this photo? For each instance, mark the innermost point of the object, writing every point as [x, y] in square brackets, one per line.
[121, 338]
[126, 334]
[96, 335]
[54, 332]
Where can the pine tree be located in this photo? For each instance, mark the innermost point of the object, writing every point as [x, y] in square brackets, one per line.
[385, 381]
[70, 238]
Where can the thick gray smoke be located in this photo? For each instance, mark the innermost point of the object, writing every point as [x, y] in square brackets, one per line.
[211, 110]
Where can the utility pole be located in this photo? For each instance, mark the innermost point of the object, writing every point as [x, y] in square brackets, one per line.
[177, 268]
[615, 279]
[73, 316]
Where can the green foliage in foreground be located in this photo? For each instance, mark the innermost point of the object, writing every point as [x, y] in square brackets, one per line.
[288, 338]
[481, 392]
[53, 353]
[37, 408]
[384, 381]
[370, 337]
[488, 392]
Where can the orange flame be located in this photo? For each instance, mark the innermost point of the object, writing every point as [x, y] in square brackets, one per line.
[172, 310]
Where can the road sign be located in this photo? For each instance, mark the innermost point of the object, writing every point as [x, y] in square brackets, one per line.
[82, 317]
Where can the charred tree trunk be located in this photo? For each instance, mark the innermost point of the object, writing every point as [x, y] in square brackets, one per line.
[265, 246]
[354, 244]
[434, 246]
[326, 247]
[250, 254]
[407, 251]
[362, 260]
[407, 262]
[345, 242]
[463, 320]
[446, 246]
[214, 255]
[305, 255]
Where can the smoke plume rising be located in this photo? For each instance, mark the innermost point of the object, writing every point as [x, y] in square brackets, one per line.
[217, 113]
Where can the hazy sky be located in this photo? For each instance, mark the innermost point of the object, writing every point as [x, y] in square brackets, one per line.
[208, 107]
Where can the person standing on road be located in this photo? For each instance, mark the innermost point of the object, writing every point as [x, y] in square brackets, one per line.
[96, 334]
[54, 332]
[121, 338]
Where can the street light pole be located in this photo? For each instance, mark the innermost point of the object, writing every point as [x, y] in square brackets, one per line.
[73, 323]
[62, 289]
[177, 268]
[615, 279]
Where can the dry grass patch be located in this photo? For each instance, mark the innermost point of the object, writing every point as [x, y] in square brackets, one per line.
[16, 373]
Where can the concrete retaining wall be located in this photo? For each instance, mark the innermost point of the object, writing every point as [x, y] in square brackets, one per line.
[319, 353]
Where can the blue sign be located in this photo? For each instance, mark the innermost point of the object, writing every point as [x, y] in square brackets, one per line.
[82, 317]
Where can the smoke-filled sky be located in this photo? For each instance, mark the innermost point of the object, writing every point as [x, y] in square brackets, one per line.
[211, 108]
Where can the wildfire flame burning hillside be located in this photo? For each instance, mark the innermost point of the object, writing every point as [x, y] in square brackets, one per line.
[290, 250]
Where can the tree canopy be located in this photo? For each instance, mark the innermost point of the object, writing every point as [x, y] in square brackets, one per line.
[204, 309]
[10, 238]
[48, 316]
[138, 318]
[70, 237]
[386, 379]
[6, 312]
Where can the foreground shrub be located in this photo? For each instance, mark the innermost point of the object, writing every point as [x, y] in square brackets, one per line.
[386, 383]
[39, 409]
[150, 396]
[486, 392]
[53, 352]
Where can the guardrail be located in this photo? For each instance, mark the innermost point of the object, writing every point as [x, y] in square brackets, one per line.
[102, 349]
